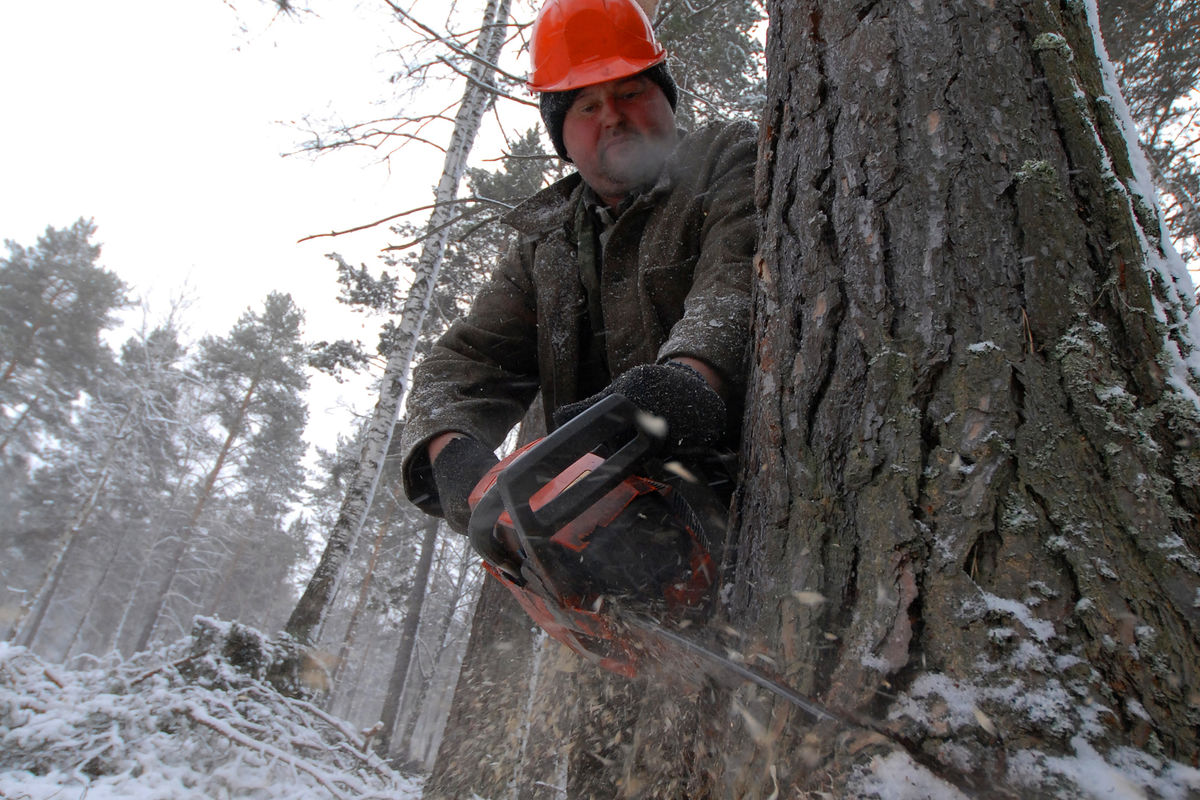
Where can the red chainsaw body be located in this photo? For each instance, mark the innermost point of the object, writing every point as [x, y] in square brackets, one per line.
[593, 501]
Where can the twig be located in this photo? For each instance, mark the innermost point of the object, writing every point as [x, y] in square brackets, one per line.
[445, 40]
[269, 750]
[495, 90]
[402, 214]
[171, 665]
[516, 157]
[50, 676]
[430, 232]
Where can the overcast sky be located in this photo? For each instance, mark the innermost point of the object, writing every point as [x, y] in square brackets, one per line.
[165, 122]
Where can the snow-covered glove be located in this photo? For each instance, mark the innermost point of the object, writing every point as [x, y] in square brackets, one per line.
[462, 463]
[683, 410]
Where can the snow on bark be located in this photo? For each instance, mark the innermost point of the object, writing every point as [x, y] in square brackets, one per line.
[306, 620]
[1175, 297]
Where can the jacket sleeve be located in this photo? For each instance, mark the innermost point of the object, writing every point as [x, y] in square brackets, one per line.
[715, 326]
[479, 377]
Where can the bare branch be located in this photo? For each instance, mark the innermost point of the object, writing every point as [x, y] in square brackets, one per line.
[198, 715]
[447, 40]
[376, 223]
[486, 87]
[516, 157]
[439, 229]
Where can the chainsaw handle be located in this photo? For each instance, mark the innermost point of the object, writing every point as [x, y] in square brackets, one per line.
[482, 532]
[611, 419]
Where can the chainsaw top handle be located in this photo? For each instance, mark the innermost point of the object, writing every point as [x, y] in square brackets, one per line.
[610, 423]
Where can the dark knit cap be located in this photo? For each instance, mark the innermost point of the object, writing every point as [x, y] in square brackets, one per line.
[554, 105]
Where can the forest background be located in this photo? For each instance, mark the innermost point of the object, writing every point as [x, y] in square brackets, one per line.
[152, 474]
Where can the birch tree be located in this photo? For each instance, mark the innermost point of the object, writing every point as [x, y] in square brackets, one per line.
[305, 622]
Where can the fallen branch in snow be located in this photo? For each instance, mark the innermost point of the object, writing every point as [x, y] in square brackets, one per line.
[172, 665]
[167, 725]
[274, 752]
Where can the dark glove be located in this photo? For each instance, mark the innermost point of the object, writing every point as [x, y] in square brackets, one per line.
[675, 394]
[462, 463]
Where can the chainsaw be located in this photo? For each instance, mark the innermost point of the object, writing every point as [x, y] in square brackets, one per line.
[569, 527]
[610, 563]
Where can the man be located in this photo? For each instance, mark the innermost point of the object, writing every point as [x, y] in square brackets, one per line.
[630, 276]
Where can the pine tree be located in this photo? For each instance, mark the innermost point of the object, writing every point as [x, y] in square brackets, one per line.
[715, 57]
[252, 379]
[55, 300]
[116, 443]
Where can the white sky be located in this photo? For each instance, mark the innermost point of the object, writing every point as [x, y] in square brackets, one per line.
[165, 123]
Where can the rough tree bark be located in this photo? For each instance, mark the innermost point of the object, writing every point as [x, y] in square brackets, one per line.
[974, 432]
[968, 513]
[304, 625]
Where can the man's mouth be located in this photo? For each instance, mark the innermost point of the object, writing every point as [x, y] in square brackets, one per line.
[623, 135]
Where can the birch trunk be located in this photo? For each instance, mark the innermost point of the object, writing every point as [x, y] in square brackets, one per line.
[306, 620]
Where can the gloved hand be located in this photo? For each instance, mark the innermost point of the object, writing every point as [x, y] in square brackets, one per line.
[462, 463]
[675, 394]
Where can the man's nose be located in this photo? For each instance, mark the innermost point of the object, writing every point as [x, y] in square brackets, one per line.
[611, 112]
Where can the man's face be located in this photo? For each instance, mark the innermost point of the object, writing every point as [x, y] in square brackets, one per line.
[619, 134]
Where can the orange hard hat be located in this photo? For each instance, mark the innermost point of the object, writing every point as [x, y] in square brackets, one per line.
[582, 42]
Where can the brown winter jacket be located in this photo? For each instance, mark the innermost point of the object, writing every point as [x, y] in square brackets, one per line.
[674, 282]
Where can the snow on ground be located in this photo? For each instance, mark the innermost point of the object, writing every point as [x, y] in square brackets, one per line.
[174, 725]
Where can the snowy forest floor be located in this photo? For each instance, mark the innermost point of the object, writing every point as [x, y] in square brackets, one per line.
[175, 724]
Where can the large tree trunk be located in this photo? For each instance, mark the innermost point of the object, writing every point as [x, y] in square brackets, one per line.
[969, 507]
[309, 614]
[481, 749]
[973, 433]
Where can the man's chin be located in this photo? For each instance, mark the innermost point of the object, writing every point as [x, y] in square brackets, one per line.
[634, 172]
